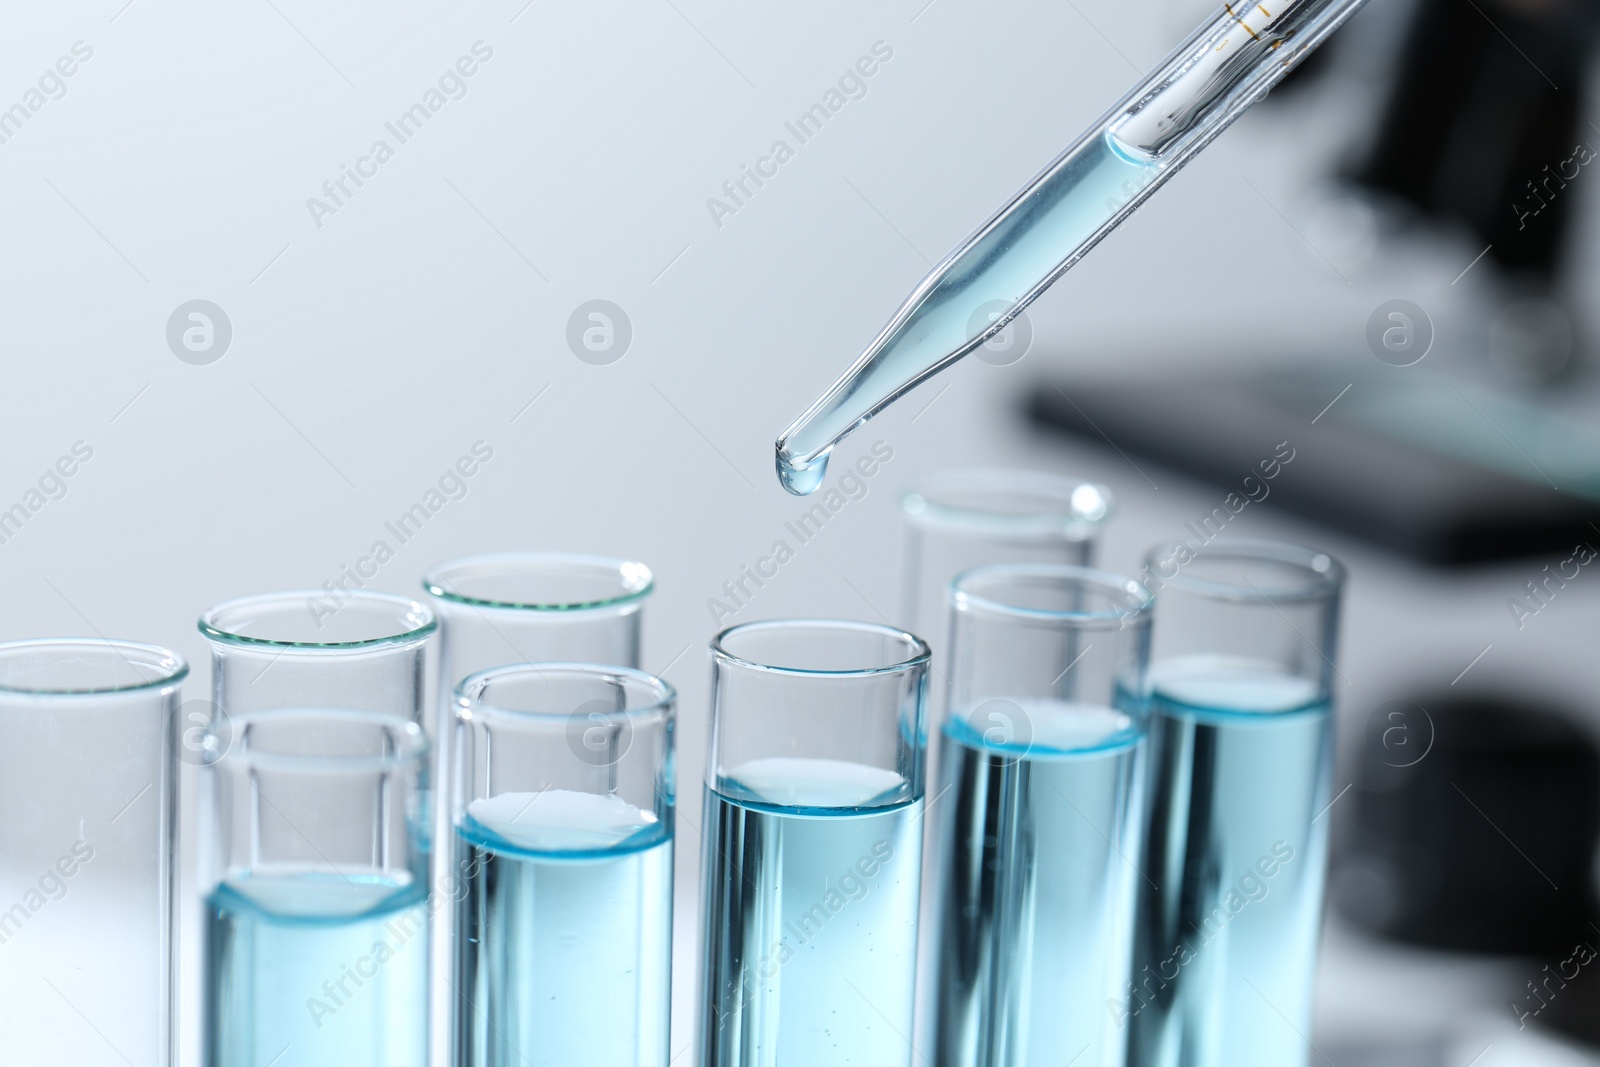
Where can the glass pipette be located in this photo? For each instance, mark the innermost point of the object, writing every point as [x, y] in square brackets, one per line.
[1211, 79]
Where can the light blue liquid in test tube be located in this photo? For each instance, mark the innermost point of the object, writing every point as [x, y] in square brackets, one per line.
[1053, 933]
[317, 969]
[1040, 798]
[315, 851]
[813, 845]
[566, 923]
[1241, 742]
[1251, 743]
[815, 864]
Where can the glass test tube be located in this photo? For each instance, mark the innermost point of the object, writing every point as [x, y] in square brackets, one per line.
[87, 846]
[813, 854]
[534, 607]
[1040, 803]
[303, 649]
[314, 865]
[955, 520]
[960, 519]
[301, 677]
[564, 840]
[1236, 851]
[503, 608]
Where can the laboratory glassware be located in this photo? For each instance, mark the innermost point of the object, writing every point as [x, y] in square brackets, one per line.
[314, 867]
[534, 607]
[333, 653]
[503, 608]
[955, 520]
[1241, 693]
[564, 837]
[354, 650]
[1225, 66]
[1040, 801]
[959, 519]
[88, 795]
[813, 830]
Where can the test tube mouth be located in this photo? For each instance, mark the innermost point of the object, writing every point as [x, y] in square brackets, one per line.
[315, 618]
[835, 648]
[558, 691]
[317, 741]
[1020, 504]
[1247, 571]
[1052, 594]
[539, 581]
[86, 666]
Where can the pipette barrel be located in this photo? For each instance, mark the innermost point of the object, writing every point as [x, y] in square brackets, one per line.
[1086, 192]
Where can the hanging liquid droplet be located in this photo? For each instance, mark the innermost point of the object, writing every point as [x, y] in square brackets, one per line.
[802, 479]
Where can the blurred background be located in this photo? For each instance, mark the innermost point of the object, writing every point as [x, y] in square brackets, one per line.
[1388, 265]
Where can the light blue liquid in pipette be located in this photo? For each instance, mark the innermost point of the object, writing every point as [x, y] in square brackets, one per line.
[1035, 880]
[564, 939]
[812, 887]
[316, 970]
[1081, 195]
[1226, 948]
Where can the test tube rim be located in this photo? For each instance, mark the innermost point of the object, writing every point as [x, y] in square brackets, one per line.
[920, 657]
[1325, 574]
[421, 619]
[173, 667]
[642, 580]
[416, 754]
[470, 707]
[920, 506]
[1139, 610]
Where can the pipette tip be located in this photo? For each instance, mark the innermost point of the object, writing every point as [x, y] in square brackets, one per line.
[802, 478]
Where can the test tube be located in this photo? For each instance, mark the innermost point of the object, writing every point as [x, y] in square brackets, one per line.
[1241, 759]
[955, 520]
[813, 853]
[534, 607]
[304, 877]
[564, 837]
[314, 865]
[960, 519]
[87, 846]
[504, 608]
[1039, 810]
[360, 650]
